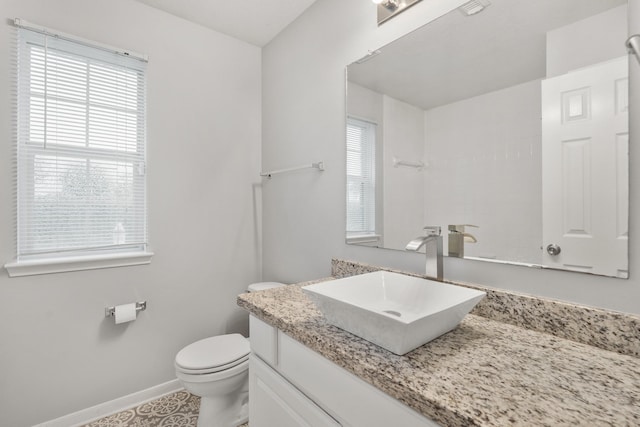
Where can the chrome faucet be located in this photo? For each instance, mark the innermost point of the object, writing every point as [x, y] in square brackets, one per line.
[432, 242]
[457, 238]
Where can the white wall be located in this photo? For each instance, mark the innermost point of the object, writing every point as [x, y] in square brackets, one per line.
[484, 162]
[583, 43]
[303, 114]
[58, 352]
[403, 187]
[365, 104]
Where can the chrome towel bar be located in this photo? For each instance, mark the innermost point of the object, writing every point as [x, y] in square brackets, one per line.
[319, 165]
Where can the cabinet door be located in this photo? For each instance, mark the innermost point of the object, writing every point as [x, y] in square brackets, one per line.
[275, 402]
[264, 340]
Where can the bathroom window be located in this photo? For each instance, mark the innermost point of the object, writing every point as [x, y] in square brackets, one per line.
[81, 165]
[361, 185]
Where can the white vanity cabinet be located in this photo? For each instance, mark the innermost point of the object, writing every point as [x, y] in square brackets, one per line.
[275, 402]
[291, 385]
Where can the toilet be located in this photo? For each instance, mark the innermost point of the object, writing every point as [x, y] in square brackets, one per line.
[217, 370]
[261, 286]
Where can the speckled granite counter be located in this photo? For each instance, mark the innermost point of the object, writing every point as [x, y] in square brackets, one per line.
[484, 373]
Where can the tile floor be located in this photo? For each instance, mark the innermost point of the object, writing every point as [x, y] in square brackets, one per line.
[179, 409]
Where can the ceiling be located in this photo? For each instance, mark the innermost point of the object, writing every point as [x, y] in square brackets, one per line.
[457, 57]
[254, 21]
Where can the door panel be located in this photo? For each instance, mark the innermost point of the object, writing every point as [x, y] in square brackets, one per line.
[585, 182]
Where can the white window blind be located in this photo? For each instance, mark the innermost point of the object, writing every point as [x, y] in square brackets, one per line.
[80, 148]
[361, 186]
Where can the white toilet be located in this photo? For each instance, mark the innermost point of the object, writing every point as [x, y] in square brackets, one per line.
[261, 286]
[217, 370]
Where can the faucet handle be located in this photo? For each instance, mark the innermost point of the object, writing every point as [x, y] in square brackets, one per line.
[432, 230]
[459, 228]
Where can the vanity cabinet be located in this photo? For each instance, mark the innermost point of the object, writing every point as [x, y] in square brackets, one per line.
[291, 385]
[275, 402]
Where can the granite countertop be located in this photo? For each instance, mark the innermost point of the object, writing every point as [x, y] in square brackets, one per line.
[483, 373]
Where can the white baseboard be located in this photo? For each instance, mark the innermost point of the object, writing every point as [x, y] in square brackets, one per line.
[93, 413]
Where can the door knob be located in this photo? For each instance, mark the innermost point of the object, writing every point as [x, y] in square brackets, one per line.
[553, 249]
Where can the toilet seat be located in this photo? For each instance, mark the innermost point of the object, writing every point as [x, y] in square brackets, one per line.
[213, 369]
[214, 377]
[214, 354]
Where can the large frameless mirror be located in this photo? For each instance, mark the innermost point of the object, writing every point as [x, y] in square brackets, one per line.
[506, 124]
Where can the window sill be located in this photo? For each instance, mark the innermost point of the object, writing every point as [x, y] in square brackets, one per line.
[76, 263]
[363, 238]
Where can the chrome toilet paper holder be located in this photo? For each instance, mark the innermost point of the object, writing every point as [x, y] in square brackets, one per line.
[111, 311]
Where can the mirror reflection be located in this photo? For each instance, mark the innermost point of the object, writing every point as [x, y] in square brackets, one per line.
[506, 127]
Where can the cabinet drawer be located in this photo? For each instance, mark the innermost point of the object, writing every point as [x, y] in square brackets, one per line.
[344, 396]
[264, 340]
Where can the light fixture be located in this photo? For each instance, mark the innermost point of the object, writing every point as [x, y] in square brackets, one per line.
[391, 5]
[389, 8]
[474, 6]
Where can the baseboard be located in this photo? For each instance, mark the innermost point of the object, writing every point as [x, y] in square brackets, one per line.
[93, 413]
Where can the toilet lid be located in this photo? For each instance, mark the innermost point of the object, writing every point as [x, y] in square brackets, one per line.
[214, 352]
[261, 286]
[242, 361]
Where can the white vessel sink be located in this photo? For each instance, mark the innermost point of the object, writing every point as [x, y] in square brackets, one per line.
[394, 311]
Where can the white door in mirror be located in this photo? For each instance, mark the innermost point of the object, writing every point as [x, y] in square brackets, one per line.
[585, 186]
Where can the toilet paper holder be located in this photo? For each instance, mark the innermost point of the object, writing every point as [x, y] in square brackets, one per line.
[111, 311]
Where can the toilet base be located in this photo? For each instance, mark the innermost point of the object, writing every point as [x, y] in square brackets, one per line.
[222, 412]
